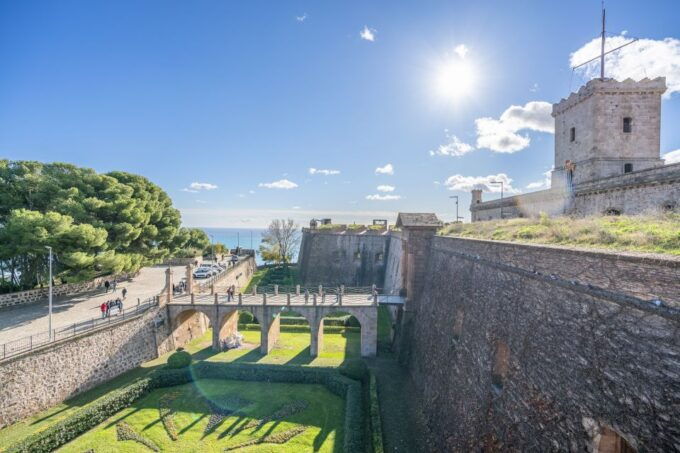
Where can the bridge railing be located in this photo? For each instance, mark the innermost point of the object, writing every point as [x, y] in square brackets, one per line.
[28, 343]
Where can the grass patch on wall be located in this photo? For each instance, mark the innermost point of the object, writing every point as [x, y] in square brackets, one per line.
[644, 233]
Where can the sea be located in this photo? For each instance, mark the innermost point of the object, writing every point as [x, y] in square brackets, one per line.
[235, 237]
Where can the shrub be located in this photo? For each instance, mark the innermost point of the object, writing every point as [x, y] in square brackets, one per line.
[179, 359]
[376, 423]
[245, 317]
[73, 426]
[355, 369]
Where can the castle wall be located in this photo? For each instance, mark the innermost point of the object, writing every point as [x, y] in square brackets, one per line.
[509, 353]
[38, 380]
[343, 258]
[393, 282]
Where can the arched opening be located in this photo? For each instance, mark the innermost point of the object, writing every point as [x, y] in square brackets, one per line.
[612, 211]
[612, 442]
[189, 325]
[225, 334]
[501, 363]
[293, 339]
[339, 335]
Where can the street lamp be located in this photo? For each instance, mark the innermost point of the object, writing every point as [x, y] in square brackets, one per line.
[501, 183]
[50, 293]
[212, 247]
[457, 216]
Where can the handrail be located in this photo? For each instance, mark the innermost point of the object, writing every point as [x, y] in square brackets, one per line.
[31, 342]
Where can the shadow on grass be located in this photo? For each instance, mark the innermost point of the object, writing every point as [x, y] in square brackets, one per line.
[303, 357]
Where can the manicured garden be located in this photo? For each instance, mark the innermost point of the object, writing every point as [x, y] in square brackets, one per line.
[211, 415]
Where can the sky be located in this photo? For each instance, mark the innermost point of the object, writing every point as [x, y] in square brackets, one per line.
[248, 111]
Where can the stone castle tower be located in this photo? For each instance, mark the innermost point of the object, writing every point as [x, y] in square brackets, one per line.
[607, 128]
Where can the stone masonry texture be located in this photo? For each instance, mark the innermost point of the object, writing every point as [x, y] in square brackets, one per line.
[48, 376]
[577, 356]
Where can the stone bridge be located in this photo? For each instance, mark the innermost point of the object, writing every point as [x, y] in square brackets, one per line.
[222, 315]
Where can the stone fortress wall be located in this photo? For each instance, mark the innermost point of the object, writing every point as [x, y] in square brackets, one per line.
[49, 375]
[343, 258]
[536, 348]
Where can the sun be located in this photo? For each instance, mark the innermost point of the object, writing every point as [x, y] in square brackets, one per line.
[454, 79]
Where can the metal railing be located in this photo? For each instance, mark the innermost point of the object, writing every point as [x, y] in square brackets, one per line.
[31, 342]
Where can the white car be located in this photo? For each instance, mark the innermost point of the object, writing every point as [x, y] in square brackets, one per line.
[202, 273]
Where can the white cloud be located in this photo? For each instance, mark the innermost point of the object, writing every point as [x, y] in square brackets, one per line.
[280, 184]
[378, 197]
[534, 88]
[368, 34]
[461, 50]
[454, 147]
[202, 186]
[189, 190]
[386, 169]
[672, 157]
[385, 188]
[543, 183]
[201, 201]
[241, 195]
[501, 135]
[296, 207]
[325, 172]
[646, 58]
[301, 18]
[467, 183]
[251, 192]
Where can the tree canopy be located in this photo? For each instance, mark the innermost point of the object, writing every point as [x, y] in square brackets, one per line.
[95, 223]
[280, 241]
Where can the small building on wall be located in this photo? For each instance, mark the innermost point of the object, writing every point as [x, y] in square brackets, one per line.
[607, 157]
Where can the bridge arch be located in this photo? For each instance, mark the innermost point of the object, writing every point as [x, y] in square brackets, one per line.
[188, 323]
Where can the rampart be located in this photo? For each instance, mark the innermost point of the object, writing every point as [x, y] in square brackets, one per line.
[47, 376]
[343, 258]
[516, 347]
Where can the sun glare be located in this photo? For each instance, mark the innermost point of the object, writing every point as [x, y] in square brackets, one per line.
[455, 79]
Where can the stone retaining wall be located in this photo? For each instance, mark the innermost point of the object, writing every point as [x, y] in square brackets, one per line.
[524, 348]
[32, 296]
[47, 376]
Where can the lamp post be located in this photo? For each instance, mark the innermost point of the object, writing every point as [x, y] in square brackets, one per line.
[457, 216]
[501, 183]
[212, 247]
[49, 318]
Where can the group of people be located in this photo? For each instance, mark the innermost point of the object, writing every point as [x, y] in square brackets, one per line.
[110, 285]
[109, 305]
[179, 288]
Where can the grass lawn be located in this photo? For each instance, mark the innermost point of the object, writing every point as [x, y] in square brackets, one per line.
[656, 234]
[292, 348]
[211, 415]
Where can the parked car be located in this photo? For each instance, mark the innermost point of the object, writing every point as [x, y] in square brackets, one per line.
[202, 273]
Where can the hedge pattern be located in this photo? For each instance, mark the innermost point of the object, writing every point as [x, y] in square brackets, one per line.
[376, 423]
[73, 426]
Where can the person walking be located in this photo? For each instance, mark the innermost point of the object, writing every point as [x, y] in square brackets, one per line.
[113, 285]
[106, 285]
[108, 308]
[102, 307]
[124, 292]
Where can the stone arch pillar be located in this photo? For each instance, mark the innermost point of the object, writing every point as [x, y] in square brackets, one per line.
[270, 325]
[316, 331]
[369, 330]
[226, 323]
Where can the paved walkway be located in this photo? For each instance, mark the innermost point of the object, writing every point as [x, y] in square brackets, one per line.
[23, 321]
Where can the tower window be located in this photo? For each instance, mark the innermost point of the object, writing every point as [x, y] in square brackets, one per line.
[627, 125]
[572, 134]
[627, 168]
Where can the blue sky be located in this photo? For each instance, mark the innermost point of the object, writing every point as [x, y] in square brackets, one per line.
[245, 96]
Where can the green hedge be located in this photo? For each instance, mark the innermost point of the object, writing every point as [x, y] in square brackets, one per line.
[302, 329]
[179, 359]
[374, 413]
[73, 426]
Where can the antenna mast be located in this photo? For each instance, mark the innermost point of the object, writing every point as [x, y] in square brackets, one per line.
[602, 51]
